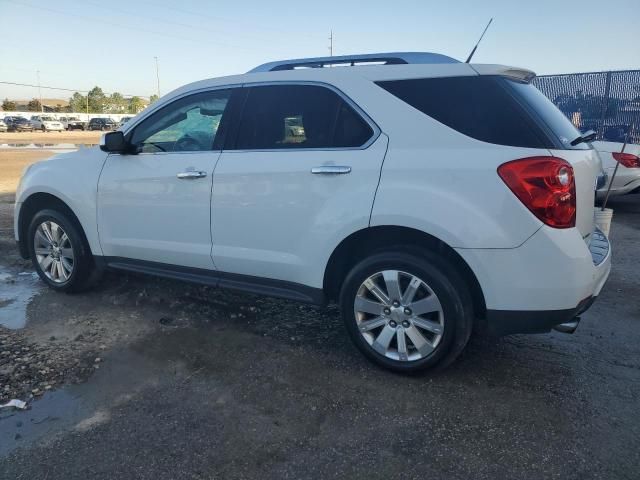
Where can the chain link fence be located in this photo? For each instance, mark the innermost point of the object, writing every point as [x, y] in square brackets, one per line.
[606, 102]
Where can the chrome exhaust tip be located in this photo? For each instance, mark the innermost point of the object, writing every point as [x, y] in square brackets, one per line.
[568, 327]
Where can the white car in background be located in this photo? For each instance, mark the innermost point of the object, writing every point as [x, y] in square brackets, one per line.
[123, 121]
[627, 179]
[3, 126]
[46, 124]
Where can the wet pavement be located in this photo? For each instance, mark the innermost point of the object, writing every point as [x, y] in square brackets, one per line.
[54, 147]
[201, 383]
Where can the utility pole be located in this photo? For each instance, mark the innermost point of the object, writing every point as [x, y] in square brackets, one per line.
[40, 92]
[331, 43]
[157, 76]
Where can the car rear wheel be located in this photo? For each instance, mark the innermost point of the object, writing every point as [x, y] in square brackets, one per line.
[59, 252]
[407, 310]
[43, 129]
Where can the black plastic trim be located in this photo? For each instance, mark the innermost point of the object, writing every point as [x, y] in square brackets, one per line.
[507, 322]
[214, 278]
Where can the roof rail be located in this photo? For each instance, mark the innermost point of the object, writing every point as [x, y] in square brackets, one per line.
[393, 58]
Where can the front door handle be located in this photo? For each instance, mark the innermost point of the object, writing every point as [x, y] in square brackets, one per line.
[191, 174]
[331, 170]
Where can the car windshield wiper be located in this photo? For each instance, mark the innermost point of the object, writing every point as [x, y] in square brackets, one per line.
[586, 137]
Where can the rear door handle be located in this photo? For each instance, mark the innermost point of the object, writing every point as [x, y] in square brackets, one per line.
[331, 170]
[191, 174]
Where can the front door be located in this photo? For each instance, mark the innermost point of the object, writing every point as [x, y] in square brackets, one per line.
[155, 205]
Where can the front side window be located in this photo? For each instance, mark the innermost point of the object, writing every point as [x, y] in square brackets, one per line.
[189, 124]
[299, 116]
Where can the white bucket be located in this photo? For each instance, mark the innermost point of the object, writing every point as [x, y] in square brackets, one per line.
[603, 219]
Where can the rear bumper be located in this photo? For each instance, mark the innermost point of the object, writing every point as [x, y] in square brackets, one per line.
[550, 279]
[507, 322]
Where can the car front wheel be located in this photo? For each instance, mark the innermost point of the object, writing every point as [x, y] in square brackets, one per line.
[59, 252]
[407, 310]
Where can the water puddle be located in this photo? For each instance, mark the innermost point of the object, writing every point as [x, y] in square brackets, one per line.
[55, 411]
[57, 147]
[16, 291]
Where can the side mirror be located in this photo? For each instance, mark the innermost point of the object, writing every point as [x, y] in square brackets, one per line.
[113, 142]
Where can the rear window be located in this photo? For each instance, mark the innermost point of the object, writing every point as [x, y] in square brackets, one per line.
[489, 108]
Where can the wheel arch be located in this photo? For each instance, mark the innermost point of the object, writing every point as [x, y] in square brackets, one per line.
[361, 243]
[40, 201]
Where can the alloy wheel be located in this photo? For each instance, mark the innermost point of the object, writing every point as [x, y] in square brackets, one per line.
[54, 252]
[399, 315]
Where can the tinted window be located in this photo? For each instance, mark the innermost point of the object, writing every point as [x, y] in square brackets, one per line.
[299, 116]
[480, 107]
[547, 112]
[189, 124]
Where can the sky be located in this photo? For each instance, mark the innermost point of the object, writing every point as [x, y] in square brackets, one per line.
[80, 44]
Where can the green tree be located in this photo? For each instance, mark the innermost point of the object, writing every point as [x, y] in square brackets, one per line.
[34, 105]
[78, 103]
[8, 105]
[97, 100]
[135, 105]
[115, 103]
[153, 98]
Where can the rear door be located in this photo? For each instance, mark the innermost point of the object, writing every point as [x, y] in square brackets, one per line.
[300, 176]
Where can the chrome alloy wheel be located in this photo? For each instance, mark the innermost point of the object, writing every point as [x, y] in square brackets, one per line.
[399, 315]
[53, 251]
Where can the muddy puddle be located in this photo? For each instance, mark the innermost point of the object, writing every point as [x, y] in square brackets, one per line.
[16, 291]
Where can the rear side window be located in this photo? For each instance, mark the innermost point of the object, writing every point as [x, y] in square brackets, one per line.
[299, 116]
[549, 114]
[487, 108]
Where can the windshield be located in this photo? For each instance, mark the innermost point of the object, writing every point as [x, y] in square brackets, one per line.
[48, 119]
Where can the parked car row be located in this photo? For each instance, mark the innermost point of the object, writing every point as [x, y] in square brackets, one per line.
[51, 124]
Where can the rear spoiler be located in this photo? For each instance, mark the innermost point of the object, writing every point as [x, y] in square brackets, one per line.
[503, 70]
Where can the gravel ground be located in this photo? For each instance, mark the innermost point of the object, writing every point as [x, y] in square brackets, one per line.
[200, 383]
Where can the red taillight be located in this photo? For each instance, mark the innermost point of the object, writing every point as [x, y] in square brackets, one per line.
[546, 187]
[628, 160]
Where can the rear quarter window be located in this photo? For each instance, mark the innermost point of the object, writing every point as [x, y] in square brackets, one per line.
[488, 108]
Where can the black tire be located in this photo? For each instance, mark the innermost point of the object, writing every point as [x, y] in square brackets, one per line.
[84, 274]
[44, 130]
[443, 279]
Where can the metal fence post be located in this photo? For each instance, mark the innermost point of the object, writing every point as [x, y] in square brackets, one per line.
[605, 103]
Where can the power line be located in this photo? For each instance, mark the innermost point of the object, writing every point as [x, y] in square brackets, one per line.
[65, 89]
[226, 20]
[125, 27]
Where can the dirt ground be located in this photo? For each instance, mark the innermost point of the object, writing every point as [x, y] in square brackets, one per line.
[147, 378]
[12, 163]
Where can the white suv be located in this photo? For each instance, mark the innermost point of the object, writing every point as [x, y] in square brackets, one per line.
[426, 196]
[46, 124]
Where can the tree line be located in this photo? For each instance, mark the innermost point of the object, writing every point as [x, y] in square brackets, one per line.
[95, 100]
